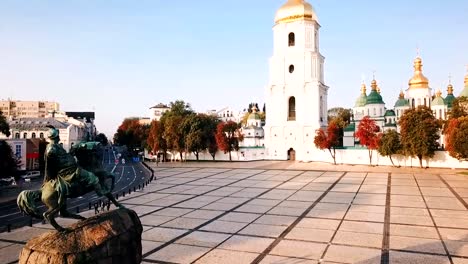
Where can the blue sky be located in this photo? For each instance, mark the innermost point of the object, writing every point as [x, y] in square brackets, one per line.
[119, 57]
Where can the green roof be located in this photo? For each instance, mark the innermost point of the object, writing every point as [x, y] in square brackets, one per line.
[449, 100]
[361, 101]
[438, 101]
[350, 127]
[390, 125]
[254, 116]
[402, 102]
[374, 98]
[390, 113]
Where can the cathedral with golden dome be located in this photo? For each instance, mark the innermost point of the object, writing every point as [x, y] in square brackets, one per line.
[419, 93]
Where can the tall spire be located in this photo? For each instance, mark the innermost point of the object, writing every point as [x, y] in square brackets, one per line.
[466, 77]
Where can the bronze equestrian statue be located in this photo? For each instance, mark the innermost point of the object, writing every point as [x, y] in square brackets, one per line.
[66, 178]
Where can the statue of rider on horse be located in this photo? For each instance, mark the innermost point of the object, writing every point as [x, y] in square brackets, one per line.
[65, 177]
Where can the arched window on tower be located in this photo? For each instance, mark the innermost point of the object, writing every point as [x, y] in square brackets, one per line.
[413, 103]
[425, 102]
[33, 135]
[41, 135]
[292, 109]
[25, 135]
[291, 40]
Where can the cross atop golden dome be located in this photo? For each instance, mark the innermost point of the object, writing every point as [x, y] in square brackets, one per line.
[439, 93]
[374, 85]
[402, 95]
[295, 10]
[418, 80]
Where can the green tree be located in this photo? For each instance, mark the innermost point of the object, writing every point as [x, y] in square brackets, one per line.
[341, 116]
[368, 135]
[389, 144]
[228, 136]
[200, 132]
[329, 139]
[4, 127]
[419, 133]
[102, 138]
[459, 107]
[9, 163]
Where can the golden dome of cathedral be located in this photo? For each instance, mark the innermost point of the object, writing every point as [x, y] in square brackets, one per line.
[295, 10]
[418, 80]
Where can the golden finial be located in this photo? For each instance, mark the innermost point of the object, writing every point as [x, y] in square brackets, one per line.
[418, 80]
[466, 76]
[439, 93]
[402, 95]
[450, 86]
[363, 88]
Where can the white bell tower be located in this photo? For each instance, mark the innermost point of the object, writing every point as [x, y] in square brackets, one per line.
[296, 96]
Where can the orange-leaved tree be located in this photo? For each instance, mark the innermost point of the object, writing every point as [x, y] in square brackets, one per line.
[228, 136]
[368, 135]
[456, 138]
[328, 139]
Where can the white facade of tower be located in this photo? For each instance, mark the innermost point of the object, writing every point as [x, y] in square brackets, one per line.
[296, 96]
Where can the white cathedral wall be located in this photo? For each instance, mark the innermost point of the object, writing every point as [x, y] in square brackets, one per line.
[419, 94]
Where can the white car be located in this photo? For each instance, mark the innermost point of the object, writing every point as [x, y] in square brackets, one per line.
[31, 175]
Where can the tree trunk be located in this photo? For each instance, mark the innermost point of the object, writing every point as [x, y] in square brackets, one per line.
[370, 157]
[181, 158]
[196, 154]
[230, 159]
[390, 156]
[213, 155]
[333, 154]
[420, 160]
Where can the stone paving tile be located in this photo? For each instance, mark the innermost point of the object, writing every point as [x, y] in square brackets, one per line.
[263, 230]
[276, 220]
[330, 213]
[220, 206]
[192, 204]
[310, 234]
[316, 187]
[451, 222]
[155, 220]
[295, 204]
[161, 234]
[22, 234]
[437, 191]
[348, 254]
[449, 213]
[204, 214]
[458, 248]
[351, 188]
[147, 246]
[411, 220]
[5, 253]
[373, 189]
[290, 211]
[362, 227]
[364, 216]
[299, 249]
[409, 211]
[227, 257]
[277, 194]
[240, 217]
[184, 222]
[336, 197]
[264, 202]
[319, 223]
[4, 244]
[367, 208]
[246, 244]
[176, 253]
[203, 239]
[460, 260]
[307, 196]
[270, 259]
[414, 231]
[416, 244]
[224, 226]
[454, 234]
[415, 258]
[251, 208]
[172, 212]
[358, 239]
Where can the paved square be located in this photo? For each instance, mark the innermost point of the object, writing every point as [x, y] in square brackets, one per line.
[233, 215]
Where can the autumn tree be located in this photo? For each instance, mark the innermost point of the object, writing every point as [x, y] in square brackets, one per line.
[341, 116]
[456, 138]
[459, 107]
[156, 142]
[328, 139]
[228, 136]
[4, 127]
[368, 135]
[389, 144]
[132, 134]
[419, 133]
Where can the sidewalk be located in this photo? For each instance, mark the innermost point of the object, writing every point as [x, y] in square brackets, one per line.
[297, 165]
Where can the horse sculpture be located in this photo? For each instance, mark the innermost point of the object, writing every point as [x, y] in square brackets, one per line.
[66, 178]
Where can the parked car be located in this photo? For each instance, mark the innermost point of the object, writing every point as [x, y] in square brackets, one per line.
[7, 181]
[31, 175]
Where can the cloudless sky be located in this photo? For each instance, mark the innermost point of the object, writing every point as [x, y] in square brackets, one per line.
[120, 57]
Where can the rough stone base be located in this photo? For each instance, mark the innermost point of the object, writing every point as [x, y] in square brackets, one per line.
[112, 237]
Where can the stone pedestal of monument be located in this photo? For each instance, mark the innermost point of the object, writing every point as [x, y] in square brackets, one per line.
[112, 237]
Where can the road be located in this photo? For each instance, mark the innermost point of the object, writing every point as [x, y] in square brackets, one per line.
[127, 177]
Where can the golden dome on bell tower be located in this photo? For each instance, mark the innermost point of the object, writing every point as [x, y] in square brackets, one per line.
[295, 10]
[418, 80]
